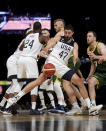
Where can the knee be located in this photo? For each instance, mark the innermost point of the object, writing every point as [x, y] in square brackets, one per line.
[91, 83]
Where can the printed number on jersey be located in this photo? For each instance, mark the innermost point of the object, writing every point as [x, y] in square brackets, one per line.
[63, 54]
[28, 43]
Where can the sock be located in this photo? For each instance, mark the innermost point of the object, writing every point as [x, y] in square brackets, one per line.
[2, 103]
[75, 105]
[87, 101]
[93, 102]
[51, 99]
[82, 101]
[33, 105]
[41, 98]
[17, 97]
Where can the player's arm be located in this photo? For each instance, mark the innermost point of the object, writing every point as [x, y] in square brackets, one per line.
[92, 70]
[52, 42]
[102, 50]
[22, 45]
[80, 73]
[75, 53]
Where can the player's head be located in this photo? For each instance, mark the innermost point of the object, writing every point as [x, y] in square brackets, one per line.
[68, 32]
[27, 31]
[37, 27]
[59, 24]
[91, 37]
[46, 32]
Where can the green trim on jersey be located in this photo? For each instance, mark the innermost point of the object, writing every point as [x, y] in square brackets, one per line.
[100, 73]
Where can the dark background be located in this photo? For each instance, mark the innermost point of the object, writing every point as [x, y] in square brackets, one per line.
[84, 16]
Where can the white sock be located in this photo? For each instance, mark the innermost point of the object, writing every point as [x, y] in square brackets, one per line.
[2, 103]
[41, 98]
[51, 99]
[82, 101]
[17, 97]
[33, 105]
[87, 101]
[93, 103]
[75, 105]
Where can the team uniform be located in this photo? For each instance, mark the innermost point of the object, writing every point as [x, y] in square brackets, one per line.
[100, 72]
[27, 63]
[12, 69]
[59, 57]
[12, 75]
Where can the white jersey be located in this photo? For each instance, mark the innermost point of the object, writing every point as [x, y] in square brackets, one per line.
[17, 51]
[32, 46]
[62, 50]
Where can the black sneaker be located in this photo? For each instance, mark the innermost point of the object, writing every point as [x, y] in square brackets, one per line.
[7, 111]
[53, 110]
[1, 108]
[14, 109]
[35, 112]
[60, 108]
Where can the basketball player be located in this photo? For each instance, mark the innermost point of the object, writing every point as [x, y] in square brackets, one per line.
[11, 64]
[27, 64]
[63, 47]
[48, 84]
[51, 88]
[97, 75]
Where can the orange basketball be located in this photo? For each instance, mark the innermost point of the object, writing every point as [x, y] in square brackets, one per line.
[49, 69]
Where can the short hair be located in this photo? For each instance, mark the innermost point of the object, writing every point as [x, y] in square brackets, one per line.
[93, 32]
[27, 31]
[69, 27]
[37, 26]
[46, 29]
[62, 20]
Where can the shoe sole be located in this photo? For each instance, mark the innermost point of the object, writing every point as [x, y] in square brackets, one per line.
[91, 113]
[76, 113]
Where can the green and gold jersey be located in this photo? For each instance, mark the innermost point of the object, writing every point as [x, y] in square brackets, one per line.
[99, 67]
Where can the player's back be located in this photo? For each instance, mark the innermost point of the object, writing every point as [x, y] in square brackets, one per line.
[32, 45]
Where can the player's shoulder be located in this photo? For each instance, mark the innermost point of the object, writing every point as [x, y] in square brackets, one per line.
[101, 45]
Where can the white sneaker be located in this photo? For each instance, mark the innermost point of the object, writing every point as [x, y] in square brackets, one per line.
[74, 111]
[95, 109]
[94, 113]
[42, 108]
[12, 101]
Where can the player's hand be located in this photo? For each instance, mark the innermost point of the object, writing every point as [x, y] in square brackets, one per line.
[42, 54]
[87, 79]
[91, 55]
[100, 61]
[82, 79]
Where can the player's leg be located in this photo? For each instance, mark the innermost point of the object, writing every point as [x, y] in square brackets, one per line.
[72, 99]
[78, 95]
[92, 82]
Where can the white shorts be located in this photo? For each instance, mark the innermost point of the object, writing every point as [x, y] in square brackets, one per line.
[61, 69]
[46, 86]
[12, 65]
[34, 91]
[27, 67]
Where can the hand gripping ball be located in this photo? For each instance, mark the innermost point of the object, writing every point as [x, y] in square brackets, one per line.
[49, 69]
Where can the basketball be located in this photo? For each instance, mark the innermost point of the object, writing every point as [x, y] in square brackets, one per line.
[49, 69]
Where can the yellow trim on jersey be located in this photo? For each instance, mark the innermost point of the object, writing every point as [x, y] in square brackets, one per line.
[93, 48]
[97, 81]
[57, 79]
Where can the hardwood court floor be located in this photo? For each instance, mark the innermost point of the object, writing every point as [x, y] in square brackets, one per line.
[52, 122]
